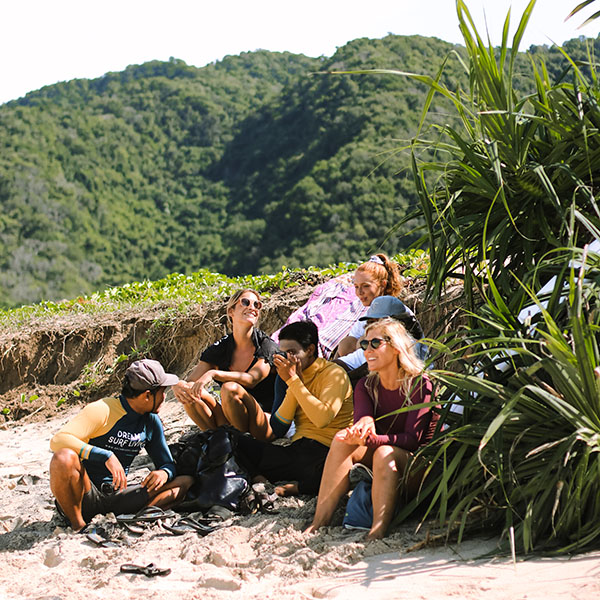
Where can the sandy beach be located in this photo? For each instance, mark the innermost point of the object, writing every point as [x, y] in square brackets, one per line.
[259, 556]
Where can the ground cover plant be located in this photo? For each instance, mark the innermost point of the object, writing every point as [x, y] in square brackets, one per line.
[182, 291]
[55, 354]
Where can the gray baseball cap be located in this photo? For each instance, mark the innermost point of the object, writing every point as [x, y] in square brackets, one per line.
[386, 306]
[147, 374]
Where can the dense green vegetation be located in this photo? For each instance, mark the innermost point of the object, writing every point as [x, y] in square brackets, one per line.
[175, 292]
[105, 181]
[241, 166]
[512, 207]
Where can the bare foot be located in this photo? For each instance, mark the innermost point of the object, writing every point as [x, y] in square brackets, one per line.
[310, 529]
[288, 489]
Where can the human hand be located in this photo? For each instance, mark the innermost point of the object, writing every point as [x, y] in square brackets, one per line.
[202, 383]
[360, 431]
[184, 392]
[347, 436]
[119, 481]
[155, 480]
[287, 366]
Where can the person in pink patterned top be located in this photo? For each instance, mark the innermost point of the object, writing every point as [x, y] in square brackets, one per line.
[336, 306]
[378, 439]
[379, 276]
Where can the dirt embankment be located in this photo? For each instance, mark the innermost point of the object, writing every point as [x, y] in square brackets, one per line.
[49, 365]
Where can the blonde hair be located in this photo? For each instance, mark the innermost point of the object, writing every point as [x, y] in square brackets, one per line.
[385, 272]
[409, 364]
[234, 298]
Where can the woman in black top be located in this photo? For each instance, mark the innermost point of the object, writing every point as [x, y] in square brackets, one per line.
[240, 362]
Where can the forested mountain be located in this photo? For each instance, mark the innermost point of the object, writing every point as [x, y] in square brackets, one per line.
[240, 166]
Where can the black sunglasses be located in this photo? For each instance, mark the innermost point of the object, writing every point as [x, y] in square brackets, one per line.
[374, 343]
[247, 302]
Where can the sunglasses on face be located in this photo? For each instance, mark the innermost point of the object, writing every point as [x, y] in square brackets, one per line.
[247, 302]
[374, 343]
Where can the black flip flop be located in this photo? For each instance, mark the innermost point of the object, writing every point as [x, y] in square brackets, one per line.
[150, 570]
[149, 514]
[132, 527]
[187, 524]
[97, 537]
[219, 513]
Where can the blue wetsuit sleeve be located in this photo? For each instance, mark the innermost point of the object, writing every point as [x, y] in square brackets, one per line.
[279, 427]
[157, 448]
[99, 455]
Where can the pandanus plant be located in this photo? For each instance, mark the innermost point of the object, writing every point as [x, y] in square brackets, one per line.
[518, 176]
[519, 447]
[509, 203]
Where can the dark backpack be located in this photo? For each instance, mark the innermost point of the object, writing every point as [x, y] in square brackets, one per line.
[220, 480]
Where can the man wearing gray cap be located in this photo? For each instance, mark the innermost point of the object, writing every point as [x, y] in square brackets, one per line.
[93, 451]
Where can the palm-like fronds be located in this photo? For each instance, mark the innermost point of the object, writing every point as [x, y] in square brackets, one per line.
[517, 169]
[525, 452]
[581, 6]
[512, 183]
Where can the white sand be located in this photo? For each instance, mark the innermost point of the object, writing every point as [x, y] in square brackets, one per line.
[261, 556]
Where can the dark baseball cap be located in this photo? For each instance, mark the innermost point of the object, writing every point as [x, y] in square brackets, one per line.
[385, 306]
[147, 374]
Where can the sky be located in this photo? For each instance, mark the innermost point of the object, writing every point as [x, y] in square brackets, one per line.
[43, 42]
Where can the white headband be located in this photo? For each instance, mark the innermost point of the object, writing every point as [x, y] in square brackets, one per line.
[375, 259]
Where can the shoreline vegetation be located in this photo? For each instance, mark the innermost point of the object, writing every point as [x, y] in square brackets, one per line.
[181, 292]
[510, 203]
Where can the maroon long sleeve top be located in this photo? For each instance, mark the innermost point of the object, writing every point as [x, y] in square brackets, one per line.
[406, 430]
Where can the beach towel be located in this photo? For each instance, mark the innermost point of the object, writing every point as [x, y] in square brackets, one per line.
[333, 307]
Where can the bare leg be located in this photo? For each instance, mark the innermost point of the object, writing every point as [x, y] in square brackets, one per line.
[244, 413]
[389, 464]
[334, 482]
[171, 493]
[206, 412]
[69, 482]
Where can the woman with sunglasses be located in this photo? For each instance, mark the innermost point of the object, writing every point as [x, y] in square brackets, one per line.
[241, 362]
[378, 439]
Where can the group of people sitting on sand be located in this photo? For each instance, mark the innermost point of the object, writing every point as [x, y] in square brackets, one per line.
[332, 385]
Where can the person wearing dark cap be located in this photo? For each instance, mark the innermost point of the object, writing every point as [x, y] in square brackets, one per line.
[93, 451]
[380, 308]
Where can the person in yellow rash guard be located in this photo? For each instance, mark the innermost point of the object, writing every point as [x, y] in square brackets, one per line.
[319, 402]
[93, 451]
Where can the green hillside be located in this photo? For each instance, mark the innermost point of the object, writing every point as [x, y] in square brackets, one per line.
[240, 166]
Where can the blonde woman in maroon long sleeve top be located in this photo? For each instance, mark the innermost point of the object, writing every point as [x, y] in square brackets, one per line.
[395, 380]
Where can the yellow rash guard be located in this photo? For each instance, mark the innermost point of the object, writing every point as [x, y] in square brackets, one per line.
[320, 405]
